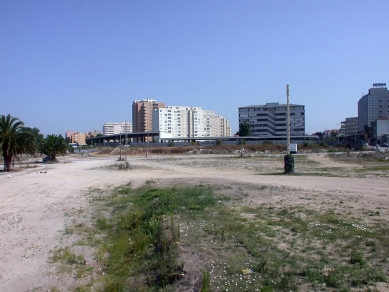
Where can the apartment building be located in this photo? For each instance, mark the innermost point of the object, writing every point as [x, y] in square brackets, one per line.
[222, 127]
[117, 128]
[142, 114]
[171, 119]
[182, 121]
[351, 125]
[79, 138]
[68, 136]
[373, 106]
[271, 119]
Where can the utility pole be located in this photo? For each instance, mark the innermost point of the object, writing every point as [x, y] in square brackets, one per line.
[287, 120]
[120, 141]
[125, 145]
[288, 158]
[147, 147]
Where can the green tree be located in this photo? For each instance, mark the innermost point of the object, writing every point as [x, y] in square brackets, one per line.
[14, 139]
[244, 129]
[37, 134]
[53, 145]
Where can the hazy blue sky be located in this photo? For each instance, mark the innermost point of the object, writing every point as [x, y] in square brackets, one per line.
[74, 65]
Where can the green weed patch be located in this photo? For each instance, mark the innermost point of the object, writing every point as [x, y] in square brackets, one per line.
[238, 248]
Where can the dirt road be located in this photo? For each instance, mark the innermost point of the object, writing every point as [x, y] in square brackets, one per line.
[36, 203]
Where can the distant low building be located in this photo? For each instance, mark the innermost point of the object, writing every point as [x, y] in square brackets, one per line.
[78, 138]
[351, 125]
[380, 128]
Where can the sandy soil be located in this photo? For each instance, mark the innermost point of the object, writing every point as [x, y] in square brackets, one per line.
[37, 203]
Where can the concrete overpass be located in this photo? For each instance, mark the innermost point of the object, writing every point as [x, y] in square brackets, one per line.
[142, 137]
[137, 136]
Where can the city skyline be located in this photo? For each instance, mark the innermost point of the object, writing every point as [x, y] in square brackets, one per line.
[71, 65]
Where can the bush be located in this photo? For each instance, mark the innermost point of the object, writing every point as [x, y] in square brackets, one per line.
[357, 257]
[178, 150]
[289, 163]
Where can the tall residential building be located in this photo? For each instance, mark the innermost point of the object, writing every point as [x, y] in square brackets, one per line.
[142, 114]
[117, 128]
[351, 126]
[222, 127]
[373, 106]
[271, 119]
[190, 122]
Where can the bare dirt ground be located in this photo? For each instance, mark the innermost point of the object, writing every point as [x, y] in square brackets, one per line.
[36, 204]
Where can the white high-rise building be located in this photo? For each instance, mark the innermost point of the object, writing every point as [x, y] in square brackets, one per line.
[182, 122]
[222, 127]
[117, 128]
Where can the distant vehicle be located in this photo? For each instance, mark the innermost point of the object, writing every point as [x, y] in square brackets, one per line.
[384, 144]
[373, 143]
[48, 158]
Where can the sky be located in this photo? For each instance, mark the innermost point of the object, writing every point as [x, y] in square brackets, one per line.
[75, 65]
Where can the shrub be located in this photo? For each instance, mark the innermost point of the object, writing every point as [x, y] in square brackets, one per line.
[357, 257]
[289, 163]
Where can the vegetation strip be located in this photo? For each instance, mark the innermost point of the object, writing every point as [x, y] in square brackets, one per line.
[139, 247]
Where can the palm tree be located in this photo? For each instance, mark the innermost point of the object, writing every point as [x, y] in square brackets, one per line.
[53, 145]
[14, 139]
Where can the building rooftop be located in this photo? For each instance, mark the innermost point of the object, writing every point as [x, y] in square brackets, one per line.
[272, 104]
